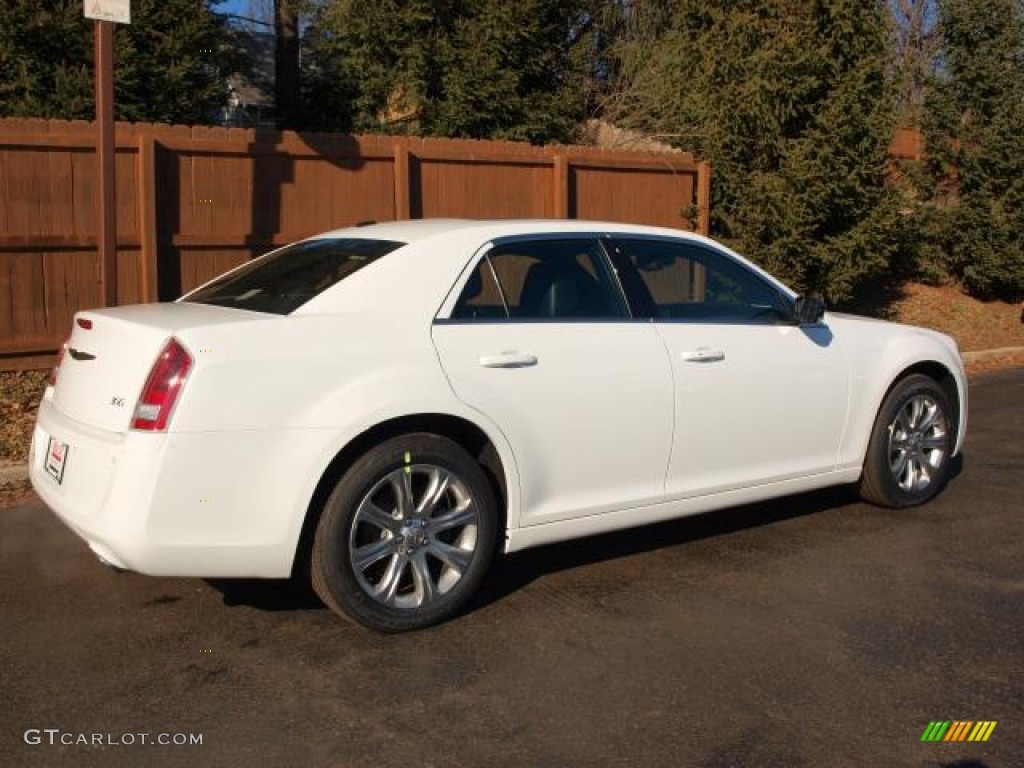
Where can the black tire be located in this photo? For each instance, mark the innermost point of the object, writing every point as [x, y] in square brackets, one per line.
[402, 583]
[898, 445]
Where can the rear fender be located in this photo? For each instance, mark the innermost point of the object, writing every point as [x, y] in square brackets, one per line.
[386, 395]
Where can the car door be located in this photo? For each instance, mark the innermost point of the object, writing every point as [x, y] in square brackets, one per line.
[758, 398]
[542, 341]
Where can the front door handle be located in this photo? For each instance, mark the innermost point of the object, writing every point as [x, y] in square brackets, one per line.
[508, 360]
[703, 355]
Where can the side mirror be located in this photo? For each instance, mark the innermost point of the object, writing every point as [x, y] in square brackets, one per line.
[808, 310]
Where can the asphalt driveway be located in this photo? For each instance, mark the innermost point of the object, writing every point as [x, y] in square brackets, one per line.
[811, 631]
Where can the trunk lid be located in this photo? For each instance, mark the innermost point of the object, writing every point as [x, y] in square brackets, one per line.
[106, 365]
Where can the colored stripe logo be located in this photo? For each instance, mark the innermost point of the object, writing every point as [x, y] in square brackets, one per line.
[958, 730]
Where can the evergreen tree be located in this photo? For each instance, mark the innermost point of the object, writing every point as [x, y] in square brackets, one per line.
[45, 60]
[484, 69]
[169, 63]
[791, 103]
[976, 147]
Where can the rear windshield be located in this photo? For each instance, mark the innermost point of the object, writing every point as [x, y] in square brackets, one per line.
[284, 280]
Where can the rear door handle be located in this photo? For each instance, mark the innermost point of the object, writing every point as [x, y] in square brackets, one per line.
[508, 360]
[703, 355]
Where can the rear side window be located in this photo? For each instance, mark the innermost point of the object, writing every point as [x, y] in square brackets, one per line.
[284, 280]
[543, 280]
[482, 297]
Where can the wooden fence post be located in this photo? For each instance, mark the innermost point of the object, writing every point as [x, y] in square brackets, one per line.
[403, 201]
[148, 242]
[561, 186]
[704, 197]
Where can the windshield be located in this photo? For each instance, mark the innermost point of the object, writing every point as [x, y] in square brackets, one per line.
[284, 280]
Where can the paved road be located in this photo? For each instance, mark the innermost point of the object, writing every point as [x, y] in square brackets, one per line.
[813, 631]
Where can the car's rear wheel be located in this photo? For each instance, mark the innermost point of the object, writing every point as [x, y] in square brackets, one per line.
[406, 536]
[908, 457]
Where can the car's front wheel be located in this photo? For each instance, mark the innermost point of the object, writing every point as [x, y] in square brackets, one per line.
[909, 453]
[406, 536]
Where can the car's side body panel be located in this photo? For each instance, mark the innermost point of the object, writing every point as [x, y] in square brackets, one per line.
[534, 536]
[778, 404]
[569, 413]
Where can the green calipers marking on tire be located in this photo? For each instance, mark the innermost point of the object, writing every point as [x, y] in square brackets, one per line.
[408, 461]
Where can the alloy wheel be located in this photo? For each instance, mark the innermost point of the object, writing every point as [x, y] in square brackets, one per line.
[413, 536]
[918, 442]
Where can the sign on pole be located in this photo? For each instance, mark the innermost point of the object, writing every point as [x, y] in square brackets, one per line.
[119, 11]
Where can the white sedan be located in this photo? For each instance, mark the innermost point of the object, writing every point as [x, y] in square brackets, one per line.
[385, 408]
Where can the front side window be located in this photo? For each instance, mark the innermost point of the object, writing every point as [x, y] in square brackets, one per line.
[543, 279]
[284, 280]
[691, 281]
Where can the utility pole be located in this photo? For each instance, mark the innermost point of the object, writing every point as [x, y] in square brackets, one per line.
[106, 229]
[105, 13]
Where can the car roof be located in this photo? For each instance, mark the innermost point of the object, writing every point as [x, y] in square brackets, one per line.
[416, 230]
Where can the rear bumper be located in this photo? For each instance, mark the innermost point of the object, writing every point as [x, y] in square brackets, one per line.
[169, 504]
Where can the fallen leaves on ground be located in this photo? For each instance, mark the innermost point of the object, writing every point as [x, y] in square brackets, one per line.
[975, 324]
[20, 393]
[16, 493]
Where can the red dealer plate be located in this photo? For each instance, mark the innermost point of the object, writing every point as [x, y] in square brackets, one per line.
[56, 457]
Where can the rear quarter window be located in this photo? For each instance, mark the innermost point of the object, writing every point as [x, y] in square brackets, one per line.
[285, 279]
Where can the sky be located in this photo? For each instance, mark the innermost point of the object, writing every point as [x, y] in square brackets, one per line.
[234, 6]
[241, 7]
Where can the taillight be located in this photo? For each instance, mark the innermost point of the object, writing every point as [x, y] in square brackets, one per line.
[162, 388]
[52, 381]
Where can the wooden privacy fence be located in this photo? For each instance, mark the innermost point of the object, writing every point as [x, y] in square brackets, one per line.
[193, 202]
[907, 144]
